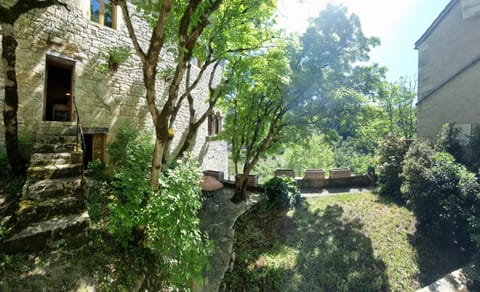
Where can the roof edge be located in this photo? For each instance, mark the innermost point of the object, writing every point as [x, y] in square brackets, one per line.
[458, 73]
[435, 23]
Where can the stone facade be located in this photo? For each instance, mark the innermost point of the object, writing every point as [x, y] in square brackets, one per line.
[449, 70]
[106, 101]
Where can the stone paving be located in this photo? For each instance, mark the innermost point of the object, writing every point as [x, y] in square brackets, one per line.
[217, 218]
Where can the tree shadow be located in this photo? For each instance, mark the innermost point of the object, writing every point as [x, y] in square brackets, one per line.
[332, 253]
[435, 259]
[335, 255]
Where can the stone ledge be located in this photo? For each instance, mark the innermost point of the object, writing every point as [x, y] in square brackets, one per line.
[458, 280]
[44, 234]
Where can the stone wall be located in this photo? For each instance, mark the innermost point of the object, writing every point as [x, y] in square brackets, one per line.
[105, 100]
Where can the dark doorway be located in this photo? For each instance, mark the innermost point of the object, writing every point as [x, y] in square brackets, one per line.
[94, 147]
[58, 89]
[88, 151]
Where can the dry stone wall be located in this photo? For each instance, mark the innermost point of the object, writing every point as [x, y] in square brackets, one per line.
[105, 100]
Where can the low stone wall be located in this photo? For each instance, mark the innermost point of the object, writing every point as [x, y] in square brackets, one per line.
[285, 172]
[339, 182]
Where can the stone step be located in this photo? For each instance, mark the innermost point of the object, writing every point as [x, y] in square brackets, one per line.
[37, 173]
[57, 139]
[57, 128]
[48, 233]
[56, 148]
[43, 159]
[34, 211]
[51, 188]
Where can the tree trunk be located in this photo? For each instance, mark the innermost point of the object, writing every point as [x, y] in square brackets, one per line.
[240, 189]
[157, 162]
[9, 45]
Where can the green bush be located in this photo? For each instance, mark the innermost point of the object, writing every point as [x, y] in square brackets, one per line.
[474, 146]
[165, 222]
[441, 193]
[130, 184]
[390, 157]
[282, 192]
[448, 140]
[172, 224]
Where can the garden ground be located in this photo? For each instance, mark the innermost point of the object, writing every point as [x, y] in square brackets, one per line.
[352, 242]
[344, 242]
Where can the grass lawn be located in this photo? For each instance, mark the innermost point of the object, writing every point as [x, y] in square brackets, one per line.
[342, 243]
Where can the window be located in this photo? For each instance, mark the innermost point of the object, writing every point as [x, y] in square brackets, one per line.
[103, 12]
[214, 124]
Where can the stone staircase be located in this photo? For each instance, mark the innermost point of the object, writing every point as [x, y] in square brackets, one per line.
[52, 207]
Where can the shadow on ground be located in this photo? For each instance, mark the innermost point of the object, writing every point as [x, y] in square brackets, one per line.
[436, 259]
[324, 252]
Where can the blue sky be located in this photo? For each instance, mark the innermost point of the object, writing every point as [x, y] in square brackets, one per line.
[398, 24]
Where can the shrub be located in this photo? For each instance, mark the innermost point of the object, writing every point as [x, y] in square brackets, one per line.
[130, 183]
[448, 140]
[390, 160]
[282, 192]
[441, 193]
[165, 223]
[172, 225]
[96, 170]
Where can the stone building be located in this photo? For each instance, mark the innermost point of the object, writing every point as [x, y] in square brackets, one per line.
[449, 70]
[59, 57]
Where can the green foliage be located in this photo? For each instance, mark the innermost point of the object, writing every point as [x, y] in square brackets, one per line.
[397, 102]
[474, 145]
[348, 154]
[390, 157]
[172, 224]
[96, 170]
[448, 140]
[316, 153]
[117, 149]
[112, 59]
[256, 106]
[266, 167]
[282, 192]
[165, 222]
[443, 194]
[130, 183]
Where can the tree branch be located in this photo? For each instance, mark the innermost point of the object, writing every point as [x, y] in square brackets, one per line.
[131, 31]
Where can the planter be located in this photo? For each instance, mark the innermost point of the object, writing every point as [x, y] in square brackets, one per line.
[213, 173]
[314, 174]
[252, 180]
[340, 172]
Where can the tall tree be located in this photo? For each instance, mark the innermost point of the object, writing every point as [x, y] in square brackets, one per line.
[180, 24]
[257, 107]
[397, 101]
[327, 68]
[236, 30]
[8, 16]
